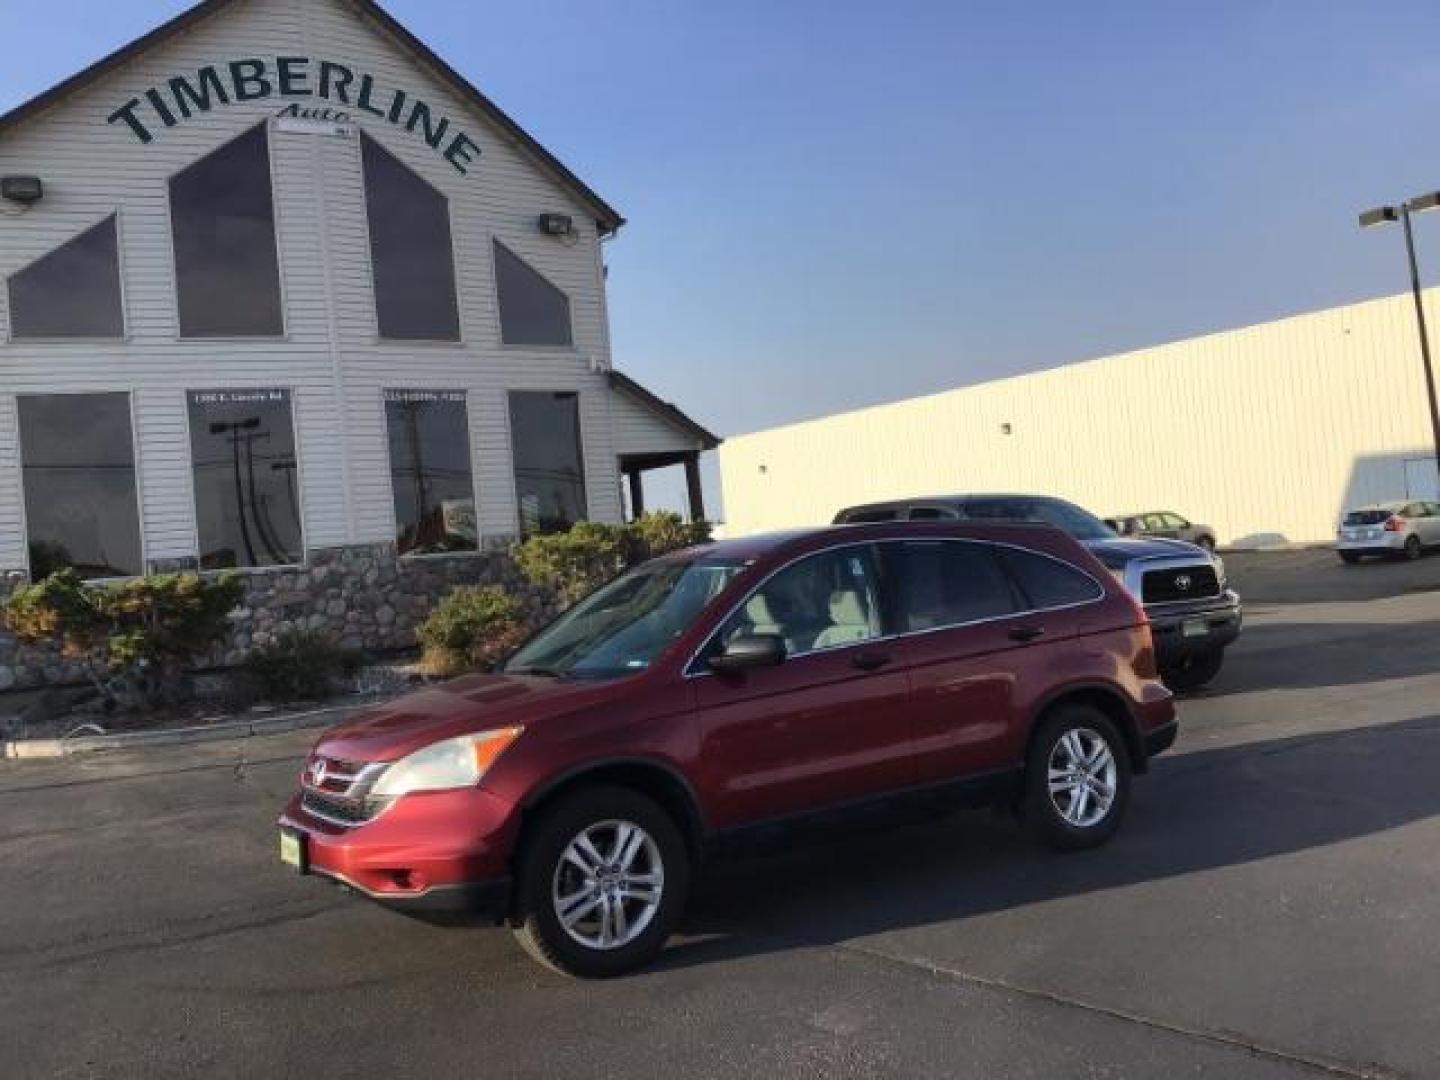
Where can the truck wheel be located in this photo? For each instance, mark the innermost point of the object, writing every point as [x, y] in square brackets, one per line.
[1193, 672]
[1349, 558]
[1077, 779]
[602, 881]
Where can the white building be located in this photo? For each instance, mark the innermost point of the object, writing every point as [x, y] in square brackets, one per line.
[276, 283]
[1265, 433]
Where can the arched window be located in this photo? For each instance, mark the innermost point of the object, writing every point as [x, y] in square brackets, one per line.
[532, 311]
[74, 291]
[410, 250]
[222, 218]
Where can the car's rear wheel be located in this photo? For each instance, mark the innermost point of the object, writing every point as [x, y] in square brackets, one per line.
[601, 882]
[1413, 548]
[1077, 779]
[1193, 671]
[1350, 558]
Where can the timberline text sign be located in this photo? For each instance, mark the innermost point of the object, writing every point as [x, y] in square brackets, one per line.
[180, 98]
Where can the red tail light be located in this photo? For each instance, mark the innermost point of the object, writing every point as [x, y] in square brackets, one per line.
[1395, 524]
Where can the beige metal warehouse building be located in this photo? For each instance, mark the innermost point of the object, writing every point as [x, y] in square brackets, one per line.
[1264, 432]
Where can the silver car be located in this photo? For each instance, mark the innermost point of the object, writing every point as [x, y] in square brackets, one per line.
[1401, 528]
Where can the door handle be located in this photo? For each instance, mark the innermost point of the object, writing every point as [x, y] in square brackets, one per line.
[870, 661]
[1027, 633]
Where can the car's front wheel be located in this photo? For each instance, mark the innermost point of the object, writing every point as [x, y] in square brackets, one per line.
[1193, 672]
[602, 881]
[1077, 779]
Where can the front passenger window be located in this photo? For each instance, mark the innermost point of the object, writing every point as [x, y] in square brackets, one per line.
[821, 602]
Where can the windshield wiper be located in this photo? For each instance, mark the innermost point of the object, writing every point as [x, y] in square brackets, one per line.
[541, 672]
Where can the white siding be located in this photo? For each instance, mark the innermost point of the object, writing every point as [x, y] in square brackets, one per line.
[330, 356]
[640, 430]
[12, 508]
[1265, 433]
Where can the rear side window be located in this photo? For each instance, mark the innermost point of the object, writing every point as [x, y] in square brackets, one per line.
[1048, 583]
[931, 513]
[946, 583]
[866, 517]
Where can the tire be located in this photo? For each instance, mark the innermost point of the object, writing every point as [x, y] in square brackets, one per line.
[1413, 548]
[1071, 828]
[1349, 558]
[1193, 672]
[546, 875]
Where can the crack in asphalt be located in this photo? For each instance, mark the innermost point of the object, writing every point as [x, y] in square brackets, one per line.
[60, 785]
[79, 951]
[1233, 1040]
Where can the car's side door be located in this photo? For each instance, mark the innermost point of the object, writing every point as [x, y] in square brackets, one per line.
[829, 723]
[1165, 526]
[977, 644]
[1430, 523]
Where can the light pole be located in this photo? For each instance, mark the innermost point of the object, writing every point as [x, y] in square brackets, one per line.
[1378, 216]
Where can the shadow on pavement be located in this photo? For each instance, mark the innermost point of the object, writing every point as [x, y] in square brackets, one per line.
[1194, 812]
[1289, 656]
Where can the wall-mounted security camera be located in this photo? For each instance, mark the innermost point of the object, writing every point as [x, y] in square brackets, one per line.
[21, 189]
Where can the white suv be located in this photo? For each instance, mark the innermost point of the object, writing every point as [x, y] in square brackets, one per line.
[1391, 528]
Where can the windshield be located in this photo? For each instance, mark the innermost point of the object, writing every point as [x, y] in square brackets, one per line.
[1368, 517]
[621, 628]
[1068, 517]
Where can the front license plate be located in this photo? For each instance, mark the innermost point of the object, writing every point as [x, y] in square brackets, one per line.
[292, 851]
[1194, 628]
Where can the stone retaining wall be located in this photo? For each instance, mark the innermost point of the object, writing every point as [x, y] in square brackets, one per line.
[364, 597]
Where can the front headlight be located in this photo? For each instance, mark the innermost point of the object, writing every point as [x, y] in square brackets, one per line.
[452, 763]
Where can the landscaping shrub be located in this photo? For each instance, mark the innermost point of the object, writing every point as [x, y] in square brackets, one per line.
[472, 628]
[574, 563]
[661, 532]
[297, 665]
[137, 633]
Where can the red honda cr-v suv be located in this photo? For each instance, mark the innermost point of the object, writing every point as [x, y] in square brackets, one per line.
[574, 792]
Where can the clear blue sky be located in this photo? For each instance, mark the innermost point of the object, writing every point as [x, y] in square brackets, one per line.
[838, 203]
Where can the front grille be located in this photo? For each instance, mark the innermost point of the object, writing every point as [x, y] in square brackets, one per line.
[1179, 583]
[336, 810]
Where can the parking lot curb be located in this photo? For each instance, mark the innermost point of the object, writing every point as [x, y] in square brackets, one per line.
[126, 740]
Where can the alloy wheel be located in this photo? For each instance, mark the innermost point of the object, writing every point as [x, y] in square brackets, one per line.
[608, 884]
[1082, 777]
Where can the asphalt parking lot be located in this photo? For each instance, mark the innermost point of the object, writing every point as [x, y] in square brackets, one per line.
[1268, 911]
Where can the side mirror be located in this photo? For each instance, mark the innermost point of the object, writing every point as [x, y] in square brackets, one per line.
[750, 651]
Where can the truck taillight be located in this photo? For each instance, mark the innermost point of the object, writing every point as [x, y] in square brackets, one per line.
[1395, 524]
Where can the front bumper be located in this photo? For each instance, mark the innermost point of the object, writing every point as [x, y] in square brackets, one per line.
[428, 853]
[1177, 628]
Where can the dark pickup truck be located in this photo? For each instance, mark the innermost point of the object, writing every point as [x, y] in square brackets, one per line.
[1194, 614]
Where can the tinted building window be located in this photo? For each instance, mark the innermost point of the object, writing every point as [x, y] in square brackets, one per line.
[549, 476]
[1047, 582]
[410, 251]
[430, 471]
[222, 217]
[532, 311]
[247, 484]
[946, 583]
[72, 292]
[78, 459]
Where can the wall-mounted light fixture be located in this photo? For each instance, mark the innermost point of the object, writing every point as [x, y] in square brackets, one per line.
[1006, 429]
[22, 189]
[556, 224]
